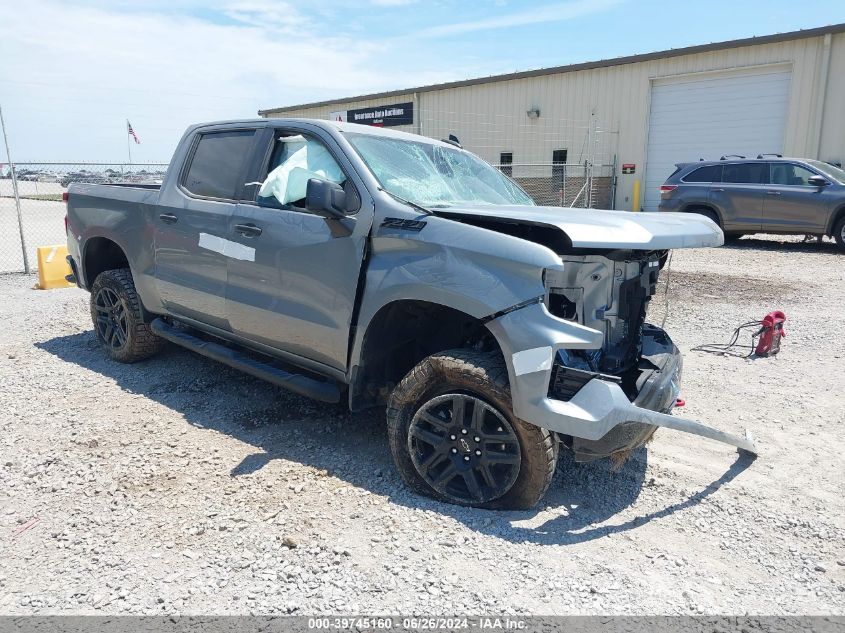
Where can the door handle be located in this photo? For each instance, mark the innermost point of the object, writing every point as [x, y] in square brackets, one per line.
[773, 193]
[169, 218]
[248, 230]
[717, 189]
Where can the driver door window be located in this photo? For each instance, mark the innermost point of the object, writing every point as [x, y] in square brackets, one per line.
[294, 161]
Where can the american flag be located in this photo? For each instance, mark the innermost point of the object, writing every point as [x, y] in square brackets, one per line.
[132, 132]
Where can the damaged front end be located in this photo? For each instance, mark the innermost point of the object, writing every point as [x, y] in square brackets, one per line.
[610, 293]
[653, 384]
[610, 379]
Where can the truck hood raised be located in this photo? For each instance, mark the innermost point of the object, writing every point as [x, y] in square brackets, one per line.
[594, 228]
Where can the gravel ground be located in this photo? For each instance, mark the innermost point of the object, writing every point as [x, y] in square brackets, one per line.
[180, 486]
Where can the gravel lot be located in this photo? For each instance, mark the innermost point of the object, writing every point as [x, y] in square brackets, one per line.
[180, 486]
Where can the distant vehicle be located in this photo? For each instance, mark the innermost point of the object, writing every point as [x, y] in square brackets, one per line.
[347, 262]
[763, 195]
[83, 176]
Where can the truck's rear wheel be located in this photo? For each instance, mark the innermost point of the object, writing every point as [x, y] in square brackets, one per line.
[454, 437]
[118, 322]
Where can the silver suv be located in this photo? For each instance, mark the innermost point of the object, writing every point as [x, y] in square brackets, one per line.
[762, 195]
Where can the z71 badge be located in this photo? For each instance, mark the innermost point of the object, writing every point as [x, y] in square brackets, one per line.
[407, 225]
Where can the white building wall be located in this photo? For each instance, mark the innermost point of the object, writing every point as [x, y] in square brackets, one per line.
[490, 117]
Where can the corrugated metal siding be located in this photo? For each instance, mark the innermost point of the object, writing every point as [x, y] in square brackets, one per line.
[833, 121]
[491, 118]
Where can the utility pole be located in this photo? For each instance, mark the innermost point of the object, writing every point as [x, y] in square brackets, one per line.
[17, 195]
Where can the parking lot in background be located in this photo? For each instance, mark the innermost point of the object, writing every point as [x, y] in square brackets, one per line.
[42, 211]
[178, 484]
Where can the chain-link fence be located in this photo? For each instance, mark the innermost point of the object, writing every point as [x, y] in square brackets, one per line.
[31, 208]
[565, 185]
[32, 213]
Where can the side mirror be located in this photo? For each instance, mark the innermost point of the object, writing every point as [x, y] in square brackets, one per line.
[818, 181]
[325, 198]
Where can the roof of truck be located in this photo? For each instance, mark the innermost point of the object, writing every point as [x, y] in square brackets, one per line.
[341, 126]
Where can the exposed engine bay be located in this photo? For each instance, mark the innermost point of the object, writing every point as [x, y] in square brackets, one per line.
[609, 293]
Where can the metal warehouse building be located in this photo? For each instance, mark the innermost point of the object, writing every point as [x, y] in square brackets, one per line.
[584, 134]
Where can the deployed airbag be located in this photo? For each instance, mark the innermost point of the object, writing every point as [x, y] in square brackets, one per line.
[302, 159]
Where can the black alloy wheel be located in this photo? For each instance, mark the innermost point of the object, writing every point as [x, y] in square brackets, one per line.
[464, 448]
[111, 322]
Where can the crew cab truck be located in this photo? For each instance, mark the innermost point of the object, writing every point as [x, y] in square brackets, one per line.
[384, 269]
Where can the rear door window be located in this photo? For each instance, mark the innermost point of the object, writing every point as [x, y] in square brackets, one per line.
[746, 173]
[710, 173]
[791, 174]
[217, 164]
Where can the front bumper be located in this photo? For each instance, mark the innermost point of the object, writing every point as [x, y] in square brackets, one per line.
[654, 385]
[530, 339]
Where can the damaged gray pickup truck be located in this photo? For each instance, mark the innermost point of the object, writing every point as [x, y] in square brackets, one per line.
[351, 263]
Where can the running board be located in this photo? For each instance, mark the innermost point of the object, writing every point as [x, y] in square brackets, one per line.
[303, 385]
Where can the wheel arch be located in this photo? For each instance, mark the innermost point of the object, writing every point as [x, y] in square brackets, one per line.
[100, 254]
[692, 207]
[835, 217]
[401, 334]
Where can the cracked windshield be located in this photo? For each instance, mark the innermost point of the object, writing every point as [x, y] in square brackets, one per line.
[435, 176]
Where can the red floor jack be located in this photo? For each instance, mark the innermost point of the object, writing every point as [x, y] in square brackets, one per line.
[765, 341]
[770, 334]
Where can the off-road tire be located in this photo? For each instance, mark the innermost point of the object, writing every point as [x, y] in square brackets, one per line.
[139, 341]
[839, 234]
[482, 375]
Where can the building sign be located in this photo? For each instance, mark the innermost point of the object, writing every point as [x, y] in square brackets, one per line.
[382, 116]
[629, 168]
[339, 116]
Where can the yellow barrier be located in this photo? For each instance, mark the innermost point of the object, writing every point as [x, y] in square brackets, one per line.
[635, 197]
[52, 267]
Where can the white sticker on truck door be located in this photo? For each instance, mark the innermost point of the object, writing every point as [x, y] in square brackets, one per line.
[226, 247]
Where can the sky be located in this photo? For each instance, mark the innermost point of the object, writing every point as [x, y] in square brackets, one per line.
[72, 72]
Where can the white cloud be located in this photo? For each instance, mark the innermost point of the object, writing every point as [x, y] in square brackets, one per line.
[534, 15]
[392, 3]
[269, 15]
[72, 74]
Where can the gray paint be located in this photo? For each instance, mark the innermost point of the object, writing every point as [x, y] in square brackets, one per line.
[759, 207]
[297, 298]
[599, 406]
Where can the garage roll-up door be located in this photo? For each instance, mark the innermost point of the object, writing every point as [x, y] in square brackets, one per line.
[708, 116]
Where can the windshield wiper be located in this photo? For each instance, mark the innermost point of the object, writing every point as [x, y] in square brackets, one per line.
[408, 202]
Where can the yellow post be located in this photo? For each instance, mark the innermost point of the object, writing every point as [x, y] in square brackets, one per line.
[635, 197]
[52, 267]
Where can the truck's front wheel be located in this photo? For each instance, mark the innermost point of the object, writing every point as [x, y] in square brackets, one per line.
[454, 437]
[118, 322]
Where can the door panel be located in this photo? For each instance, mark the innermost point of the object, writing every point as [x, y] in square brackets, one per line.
[297, 294]
[792, 204]
[192, 223]
[190, 268]
[741, 205]
[740, 195]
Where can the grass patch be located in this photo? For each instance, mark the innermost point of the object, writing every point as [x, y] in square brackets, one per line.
[50, 197]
